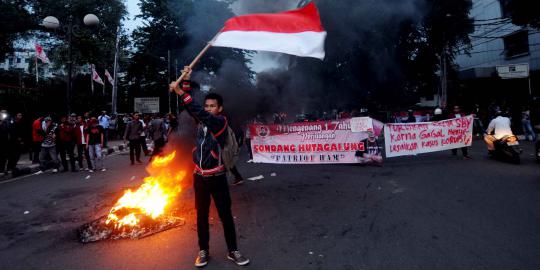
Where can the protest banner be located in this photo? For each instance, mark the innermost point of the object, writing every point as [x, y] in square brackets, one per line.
[321, 142]
[361, 124]
[416, 138]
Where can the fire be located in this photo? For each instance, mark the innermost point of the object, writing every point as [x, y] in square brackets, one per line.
[152, 197]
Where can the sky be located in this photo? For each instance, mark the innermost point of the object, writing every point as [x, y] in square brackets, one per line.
[133, 10]
[260, 61]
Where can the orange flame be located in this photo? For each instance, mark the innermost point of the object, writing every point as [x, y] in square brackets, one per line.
[152, 197]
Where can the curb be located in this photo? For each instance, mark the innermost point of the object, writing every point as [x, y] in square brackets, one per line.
[32, 168]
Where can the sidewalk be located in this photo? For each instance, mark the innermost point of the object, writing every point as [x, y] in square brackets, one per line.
[25, 166]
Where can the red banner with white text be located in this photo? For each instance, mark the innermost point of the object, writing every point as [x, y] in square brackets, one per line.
[416, 138]
[321, 142]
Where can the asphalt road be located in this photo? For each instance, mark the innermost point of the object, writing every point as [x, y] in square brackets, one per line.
[432, 211]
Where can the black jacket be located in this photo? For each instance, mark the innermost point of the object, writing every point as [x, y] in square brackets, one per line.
[210, 138]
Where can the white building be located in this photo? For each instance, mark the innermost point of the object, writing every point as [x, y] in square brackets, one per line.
[20, 60]
[496, 41]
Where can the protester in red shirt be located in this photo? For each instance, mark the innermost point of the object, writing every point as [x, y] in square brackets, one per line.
[80, 140]
[37, 139]
[66, 143]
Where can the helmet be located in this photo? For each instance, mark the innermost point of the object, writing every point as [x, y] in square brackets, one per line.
[438, 111]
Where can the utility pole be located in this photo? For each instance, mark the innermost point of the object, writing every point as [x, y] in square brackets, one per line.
[444, 82]
[169, 78]
[176, 76]
[115, 73]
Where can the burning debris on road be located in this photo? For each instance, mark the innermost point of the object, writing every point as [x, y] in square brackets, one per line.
[142, 212]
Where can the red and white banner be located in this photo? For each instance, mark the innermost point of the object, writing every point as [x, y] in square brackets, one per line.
[416, 138]
[95, 76]
[109, 77]
[297, 32]
[40, 54]
[307, 143]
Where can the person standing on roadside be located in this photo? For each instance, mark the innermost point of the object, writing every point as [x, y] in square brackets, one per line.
[6, 138]
[66, 143]
[456, 113]
[18, 141]
[37, 139]
[157, 134]
[95, 136]
[48, 146]
[133, 134]
[104, 121]
[80, 137]
[526, 124]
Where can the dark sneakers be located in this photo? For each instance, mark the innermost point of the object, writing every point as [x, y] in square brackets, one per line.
[202, 258]
[238, 181]
[237, 258]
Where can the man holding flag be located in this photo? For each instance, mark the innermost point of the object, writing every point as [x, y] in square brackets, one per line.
[297, 32]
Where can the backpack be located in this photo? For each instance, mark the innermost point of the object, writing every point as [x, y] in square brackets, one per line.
[230, 150]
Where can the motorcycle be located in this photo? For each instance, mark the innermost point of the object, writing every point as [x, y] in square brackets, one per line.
[507, 149]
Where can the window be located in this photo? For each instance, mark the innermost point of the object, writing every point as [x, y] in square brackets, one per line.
[18, 60]
[504, 8]
[11, 61]
[516, 44]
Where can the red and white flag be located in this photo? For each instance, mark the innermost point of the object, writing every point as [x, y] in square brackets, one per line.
[41, 54]
[109, 77]
[95, 76]
[297, 32]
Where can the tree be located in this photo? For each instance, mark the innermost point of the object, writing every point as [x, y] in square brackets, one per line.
[522, 12]
[182, 28]
[16, 20]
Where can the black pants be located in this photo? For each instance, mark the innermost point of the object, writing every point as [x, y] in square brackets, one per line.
[67, 148]
[142, 143]
[134, 149]
[36, 149]
[248, 146]
[81, 148]
[213, 187]
[236, 173]
[464, 150]
[158, 146]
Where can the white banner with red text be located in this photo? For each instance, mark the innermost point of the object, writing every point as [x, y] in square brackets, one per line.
[416, 138]
[322, 142]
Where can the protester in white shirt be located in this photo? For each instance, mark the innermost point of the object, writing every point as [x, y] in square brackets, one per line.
[500, 127]
[104, 122]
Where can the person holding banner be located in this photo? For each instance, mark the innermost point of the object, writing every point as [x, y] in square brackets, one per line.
[371, 154]
[464, 150]
[210, 180]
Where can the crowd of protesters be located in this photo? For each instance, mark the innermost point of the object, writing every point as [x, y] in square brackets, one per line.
[78, 142]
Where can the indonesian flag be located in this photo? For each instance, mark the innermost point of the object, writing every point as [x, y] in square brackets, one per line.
[41, 54]
[95, 76]
[109, 77]
[297, 32]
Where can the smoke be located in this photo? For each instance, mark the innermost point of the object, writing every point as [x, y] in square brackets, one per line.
[241, 7]
[360, 61]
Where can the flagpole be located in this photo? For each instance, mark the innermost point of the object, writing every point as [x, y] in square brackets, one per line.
[92, 78]
[115, 70]
[198, 57]
[37, 74]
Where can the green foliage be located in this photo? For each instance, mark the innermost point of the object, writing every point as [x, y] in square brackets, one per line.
[16, 20]
[523, 13]
[182, 28]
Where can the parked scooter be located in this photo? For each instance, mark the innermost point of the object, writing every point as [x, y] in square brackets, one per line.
[507, 149]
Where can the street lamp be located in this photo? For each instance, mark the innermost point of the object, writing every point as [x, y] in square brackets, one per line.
[52, 22]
